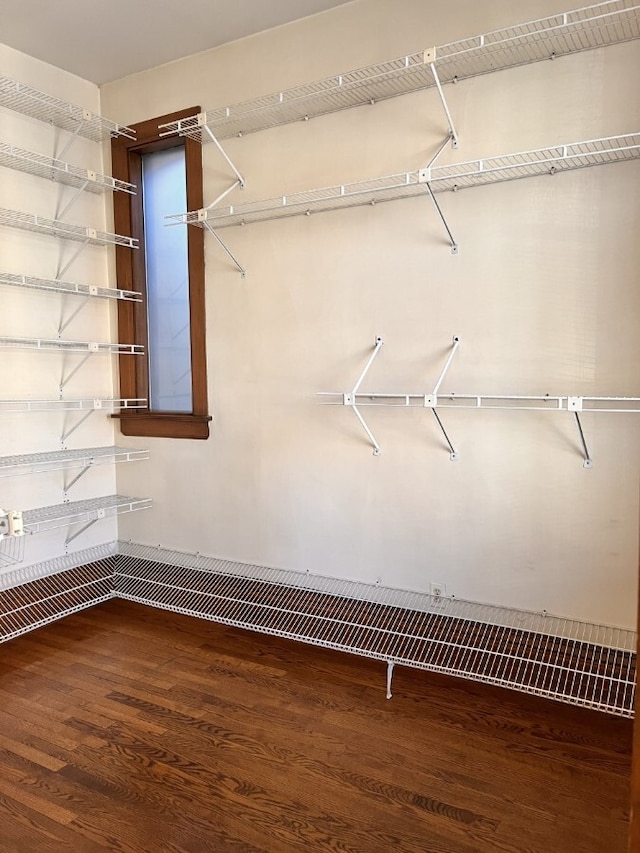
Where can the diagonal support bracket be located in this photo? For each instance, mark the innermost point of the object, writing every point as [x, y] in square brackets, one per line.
[574, 404]
[349, 399]
[223, 245]
[431, 400]
[430, 60]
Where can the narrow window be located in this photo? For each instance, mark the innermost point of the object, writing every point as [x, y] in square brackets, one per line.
[164, 191]
[168, 270]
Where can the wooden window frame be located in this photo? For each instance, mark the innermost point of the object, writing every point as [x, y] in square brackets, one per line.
[131, 275]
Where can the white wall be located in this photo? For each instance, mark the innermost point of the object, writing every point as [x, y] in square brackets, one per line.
[27, 313]
[543, 295]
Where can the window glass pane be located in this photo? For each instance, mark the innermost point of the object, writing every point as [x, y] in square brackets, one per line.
[163, 192]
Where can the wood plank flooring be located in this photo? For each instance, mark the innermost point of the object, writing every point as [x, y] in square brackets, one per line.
[124, 728]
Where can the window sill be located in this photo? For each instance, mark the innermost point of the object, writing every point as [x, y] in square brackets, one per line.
[164, 425]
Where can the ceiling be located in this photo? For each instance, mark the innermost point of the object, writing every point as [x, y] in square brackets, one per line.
[106, 40]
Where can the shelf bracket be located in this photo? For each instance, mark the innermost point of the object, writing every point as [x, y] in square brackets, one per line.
[73, 135]
[349, 399]
[223, 245]
[69, 484]
[443, 372]
[229, 161]
[67, 432]
[452, 452]
[65, 379]
[452, 242]
[81, 530]
[431, 400]
[429, 57]
[74, 257]
[60, 214]
[64, 323]
[575, 405]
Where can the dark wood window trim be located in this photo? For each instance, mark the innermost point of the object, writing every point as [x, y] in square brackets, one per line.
[130, 272]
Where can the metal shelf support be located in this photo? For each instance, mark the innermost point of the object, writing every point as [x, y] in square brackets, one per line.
[350, 398]
[429, 57]
[512, 402]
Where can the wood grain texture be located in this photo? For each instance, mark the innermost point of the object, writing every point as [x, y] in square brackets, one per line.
[131, 729]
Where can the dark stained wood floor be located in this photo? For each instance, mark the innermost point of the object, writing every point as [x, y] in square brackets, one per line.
[124, 728]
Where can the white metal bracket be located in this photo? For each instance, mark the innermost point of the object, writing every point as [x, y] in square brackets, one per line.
[430, 57]
[11, 523]
[223, 245]
[574, 404]
[431, 400]
[349, 399]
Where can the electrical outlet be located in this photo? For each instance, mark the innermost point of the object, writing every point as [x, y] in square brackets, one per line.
[438, 590]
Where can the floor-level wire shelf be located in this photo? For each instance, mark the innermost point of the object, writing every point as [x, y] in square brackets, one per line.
[60, 171]
[106, 404]
[33, 596]
[567, 660]
[63, 230]
[581, 29]
[63, 460]
[24, 99]
[67, 287]
[70, 346]
[508, 167]
[80, 512]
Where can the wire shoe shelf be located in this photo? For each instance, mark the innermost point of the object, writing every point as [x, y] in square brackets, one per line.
[574, 662]
[35, 596]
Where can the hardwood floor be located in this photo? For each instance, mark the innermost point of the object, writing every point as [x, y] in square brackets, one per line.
[124, 728]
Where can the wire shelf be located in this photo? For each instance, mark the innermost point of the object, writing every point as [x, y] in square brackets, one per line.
[63, 230]
[59, 171]
[567, 660]
[508, 167]
[540, 403]
[107, 404]
[68, 287]
[578, 30]
[62, 563]
[44, 344]
[24, 99]
[63, 460]
[11, 551]
[59, 588]
[52, 517]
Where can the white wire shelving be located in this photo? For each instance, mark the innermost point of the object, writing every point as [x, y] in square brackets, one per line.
[36, 595]
[80, 512]
[458, 176]
[71, 288]
[24, 99]
[63, 460]
[563, 659]
[63, 230]
[43, 344]
[546, 38]
[89, 404]
[58, 170]
[435, 399]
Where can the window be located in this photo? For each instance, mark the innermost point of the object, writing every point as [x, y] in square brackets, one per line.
[168, 270]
